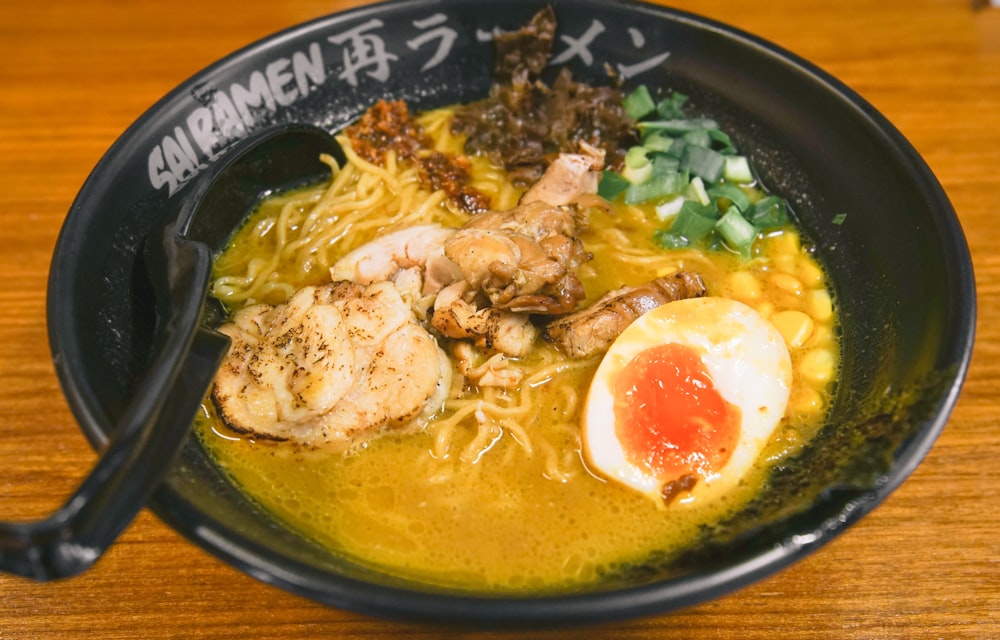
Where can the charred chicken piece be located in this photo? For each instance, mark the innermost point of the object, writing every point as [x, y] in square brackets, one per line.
[592, 330]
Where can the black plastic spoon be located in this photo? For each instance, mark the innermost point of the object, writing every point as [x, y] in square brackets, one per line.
[157, 421]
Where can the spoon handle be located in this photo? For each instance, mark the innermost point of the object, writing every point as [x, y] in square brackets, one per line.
[157, 420]
[144, 443]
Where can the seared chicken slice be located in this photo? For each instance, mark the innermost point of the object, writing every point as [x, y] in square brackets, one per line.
[336, 365]
[570, 177]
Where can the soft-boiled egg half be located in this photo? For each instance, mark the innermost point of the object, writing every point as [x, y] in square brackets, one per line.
[685, 399]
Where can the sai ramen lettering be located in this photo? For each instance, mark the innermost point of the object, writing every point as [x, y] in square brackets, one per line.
[229, 114]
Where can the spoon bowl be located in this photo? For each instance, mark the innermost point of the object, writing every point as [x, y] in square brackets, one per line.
[155, 423]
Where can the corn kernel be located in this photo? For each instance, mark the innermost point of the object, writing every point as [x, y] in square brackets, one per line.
[818, 366]
[819, 305]
[744, 286]
[765, 309]
[809, 273]
[822, 336]
[787, 283]
[806, 401]
[795, 326]
[784, 262]
[785, 243]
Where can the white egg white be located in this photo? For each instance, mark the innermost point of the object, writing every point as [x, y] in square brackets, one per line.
[745, 356]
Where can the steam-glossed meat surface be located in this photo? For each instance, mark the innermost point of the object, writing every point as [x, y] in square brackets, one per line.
[592, 330]
[491, 329]
[525, 259]
[420, 246]
[335, 365]
[569, 178]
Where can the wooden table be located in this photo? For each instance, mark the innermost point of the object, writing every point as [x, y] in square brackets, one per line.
[74, 75]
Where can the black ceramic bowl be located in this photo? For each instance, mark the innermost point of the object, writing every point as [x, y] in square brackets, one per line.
[899, 264]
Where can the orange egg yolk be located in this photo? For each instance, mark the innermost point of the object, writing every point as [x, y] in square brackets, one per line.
[669, 417]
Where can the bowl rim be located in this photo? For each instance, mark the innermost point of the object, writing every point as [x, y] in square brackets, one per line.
[393, 602]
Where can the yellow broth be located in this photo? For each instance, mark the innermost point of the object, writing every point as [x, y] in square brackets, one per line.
[511, 506]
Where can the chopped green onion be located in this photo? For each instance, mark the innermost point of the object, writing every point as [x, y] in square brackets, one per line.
[767, 213]
[698, 137]
[689, 170]
[735, 196]
[670, 208]
[638, 176]
[696, 191]
[839, 219]
[677, 127]
[611, 185]
[639, 103]
[672, 106]
[722, 142]
[657, 142]
[636, 158]
[663, 165]
[736, 232]
[656, 188]
[694, 221]
[737, 169]
[676, 149]
[637, 168]
[703, 162]
[671, 240]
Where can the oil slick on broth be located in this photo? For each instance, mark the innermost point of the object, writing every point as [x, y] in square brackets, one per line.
[500, 521]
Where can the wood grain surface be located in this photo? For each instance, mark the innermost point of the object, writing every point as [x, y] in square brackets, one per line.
[74, 75]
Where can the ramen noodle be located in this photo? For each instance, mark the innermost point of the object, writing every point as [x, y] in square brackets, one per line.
[494, 493]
